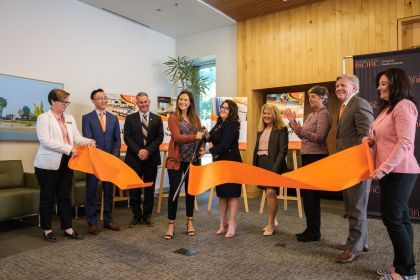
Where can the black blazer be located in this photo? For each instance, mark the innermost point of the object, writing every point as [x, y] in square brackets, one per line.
[225, 137]
[277, 149]
[134, 139]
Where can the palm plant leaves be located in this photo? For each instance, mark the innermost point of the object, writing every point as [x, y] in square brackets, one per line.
[184, 73]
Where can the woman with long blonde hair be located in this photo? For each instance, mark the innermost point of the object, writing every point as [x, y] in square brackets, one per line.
[270, 153]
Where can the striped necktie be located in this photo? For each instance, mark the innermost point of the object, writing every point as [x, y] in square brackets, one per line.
[144, 126]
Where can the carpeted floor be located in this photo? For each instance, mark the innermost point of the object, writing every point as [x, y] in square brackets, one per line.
[142, 253]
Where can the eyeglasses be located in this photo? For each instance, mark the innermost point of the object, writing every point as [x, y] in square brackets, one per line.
[65, 103]
[224, 108]
[102, 98]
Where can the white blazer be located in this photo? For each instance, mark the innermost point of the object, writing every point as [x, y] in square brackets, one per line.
[51, 144]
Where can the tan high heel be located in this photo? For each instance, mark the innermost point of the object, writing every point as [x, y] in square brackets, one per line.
[190, 232]
[276, 223]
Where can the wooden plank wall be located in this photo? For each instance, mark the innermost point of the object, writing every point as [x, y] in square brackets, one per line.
[306, 45]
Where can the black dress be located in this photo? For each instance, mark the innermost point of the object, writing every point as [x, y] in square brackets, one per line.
[225, 137]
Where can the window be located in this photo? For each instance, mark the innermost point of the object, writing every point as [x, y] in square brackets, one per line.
[205, 102]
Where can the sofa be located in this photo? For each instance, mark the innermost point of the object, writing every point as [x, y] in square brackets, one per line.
[78, 194]
[19, 191]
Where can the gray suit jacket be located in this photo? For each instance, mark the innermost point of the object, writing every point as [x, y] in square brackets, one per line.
[354, 124]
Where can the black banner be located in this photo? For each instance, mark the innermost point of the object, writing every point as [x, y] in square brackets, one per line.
[366, 67]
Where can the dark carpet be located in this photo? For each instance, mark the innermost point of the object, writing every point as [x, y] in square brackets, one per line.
[142, 253]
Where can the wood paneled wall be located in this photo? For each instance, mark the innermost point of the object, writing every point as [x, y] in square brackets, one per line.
[306, 45]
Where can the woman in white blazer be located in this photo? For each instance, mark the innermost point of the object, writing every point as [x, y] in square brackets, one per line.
[57, 133]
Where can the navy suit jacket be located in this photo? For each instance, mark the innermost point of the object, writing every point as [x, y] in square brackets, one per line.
[108, 141]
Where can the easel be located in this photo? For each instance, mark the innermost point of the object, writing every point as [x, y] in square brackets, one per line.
[164, 148]
[283, 192]
[244, 194]
[120, 197]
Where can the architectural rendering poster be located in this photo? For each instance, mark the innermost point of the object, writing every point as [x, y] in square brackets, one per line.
[242, 103]
[295, 101]
[22, 100]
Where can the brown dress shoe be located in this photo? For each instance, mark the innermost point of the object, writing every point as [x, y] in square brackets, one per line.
[343, 247]
[112, 226]
[347, 256]
[93, 230]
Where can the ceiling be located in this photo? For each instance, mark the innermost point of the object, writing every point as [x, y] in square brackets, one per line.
[180, 18]
[245, 9]
[175, 18]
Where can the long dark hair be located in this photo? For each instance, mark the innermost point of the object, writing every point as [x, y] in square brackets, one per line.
[233, 113]
[191, 113]
[399, 88]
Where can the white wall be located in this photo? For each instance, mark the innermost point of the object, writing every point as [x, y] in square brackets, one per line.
[220, 43]
[82, 47]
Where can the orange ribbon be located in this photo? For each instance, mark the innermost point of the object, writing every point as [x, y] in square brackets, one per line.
[334, 173]
[106, 167]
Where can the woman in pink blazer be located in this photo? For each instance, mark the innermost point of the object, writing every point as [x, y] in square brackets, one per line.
[392, 135]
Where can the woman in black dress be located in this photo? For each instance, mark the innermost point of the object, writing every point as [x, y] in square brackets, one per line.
[224, 137]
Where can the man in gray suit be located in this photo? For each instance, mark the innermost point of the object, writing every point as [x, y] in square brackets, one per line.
[354, 121]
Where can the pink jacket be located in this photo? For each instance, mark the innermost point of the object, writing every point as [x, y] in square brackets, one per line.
[393, 134]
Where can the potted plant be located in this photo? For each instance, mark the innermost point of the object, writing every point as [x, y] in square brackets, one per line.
[184, 75]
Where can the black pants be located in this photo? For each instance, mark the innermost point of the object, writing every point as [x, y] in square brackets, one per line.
[396, 189]
[174, 180]
[311, 199]
[55, 183]
[148, 173]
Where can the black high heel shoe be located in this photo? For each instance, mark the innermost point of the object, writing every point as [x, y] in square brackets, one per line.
[170, 236]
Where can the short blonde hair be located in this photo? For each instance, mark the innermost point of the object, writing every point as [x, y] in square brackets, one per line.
[352, 78]
[275, 113]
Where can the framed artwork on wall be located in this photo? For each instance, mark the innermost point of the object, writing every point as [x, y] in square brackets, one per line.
[22, 100]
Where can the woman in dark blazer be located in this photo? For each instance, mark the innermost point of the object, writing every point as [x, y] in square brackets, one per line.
[224, 137]
[270, 153]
